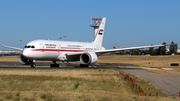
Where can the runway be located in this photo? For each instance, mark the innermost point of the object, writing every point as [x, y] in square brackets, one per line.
[168, 83]
[46, 65]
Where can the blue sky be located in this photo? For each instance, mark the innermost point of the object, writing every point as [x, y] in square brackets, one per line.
[129, 22]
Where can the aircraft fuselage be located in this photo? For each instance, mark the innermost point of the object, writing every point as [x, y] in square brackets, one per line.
[57, 50]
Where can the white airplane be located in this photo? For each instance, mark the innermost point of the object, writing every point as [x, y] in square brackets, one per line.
[86, 53]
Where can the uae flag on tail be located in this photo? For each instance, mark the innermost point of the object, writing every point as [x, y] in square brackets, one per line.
[100, 32]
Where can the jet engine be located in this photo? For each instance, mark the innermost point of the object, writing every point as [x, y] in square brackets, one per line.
[88, 58]
[23, 60]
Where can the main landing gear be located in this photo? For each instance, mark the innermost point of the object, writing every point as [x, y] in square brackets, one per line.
[83, 65]
[54, 64]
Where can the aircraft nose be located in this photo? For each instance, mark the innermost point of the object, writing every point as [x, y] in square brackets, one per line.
[25, 53]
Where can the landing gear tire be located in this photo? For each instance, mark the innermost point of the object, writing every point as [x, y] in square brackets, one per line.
[54, 65]
[83, 65]
[33, 65]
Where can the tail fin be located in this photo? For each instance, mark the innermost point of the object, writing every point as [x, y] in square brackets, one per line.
[99, 36]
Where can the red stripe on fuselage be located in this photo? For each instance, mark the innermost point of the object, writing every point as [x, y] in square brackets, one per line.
[60, 50]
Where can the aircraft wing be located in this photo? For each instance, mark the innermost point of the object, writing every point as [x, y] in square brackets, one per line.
[99, 52]
[128, 48]
[12, 47]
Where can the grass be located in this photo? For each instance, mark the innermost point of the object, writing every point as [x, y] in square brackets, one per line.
[63, 85]
[82, 85]
[76, 85]
[146, 61]
[10, 58]
[175, 71]
[148, 88]
[9, 96]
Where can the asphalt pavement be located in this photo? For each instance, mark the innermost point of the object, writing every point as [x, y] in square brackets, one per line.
[168, 83]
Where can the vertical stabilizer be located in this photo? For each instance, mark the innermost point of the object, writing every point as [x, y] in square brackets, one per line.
[100, 33]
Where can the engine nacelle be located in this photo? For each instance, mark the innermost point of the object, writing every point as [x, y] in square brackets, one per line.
[88, 58]
[23, 60]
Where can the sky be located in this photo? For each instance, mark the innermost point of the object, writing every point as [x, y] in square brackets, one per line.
[129, 23]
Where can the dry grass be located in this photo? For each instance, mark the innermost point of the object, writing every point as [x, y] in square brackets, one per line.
[81, 85]
[10, 58]
[76, 96]
[71, 85]
[88, 74]
[146, 61]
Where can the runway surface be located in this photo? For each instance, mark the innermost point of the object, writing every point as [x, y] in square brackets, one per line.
[46, 65]
[168, 83]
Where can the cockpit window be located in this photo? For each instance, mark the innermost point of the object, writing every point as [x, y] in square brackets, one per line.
[29, 47]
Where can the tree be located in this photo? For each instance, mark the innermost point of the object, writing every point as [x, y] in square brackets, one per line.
[122, 53]
[173, 48]
[151, 50]
[134, 52]
[144, 52]
[162, 49]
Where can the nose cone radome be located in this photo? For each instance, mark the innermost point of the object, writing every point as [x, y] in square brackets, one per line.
[25, 53]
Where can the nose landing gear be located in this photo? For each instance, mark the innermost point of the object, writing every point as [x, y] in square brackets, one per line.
[33, 65]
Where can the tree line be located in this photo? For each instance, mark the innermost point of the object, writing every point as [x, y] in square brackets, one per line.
[157, 51]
